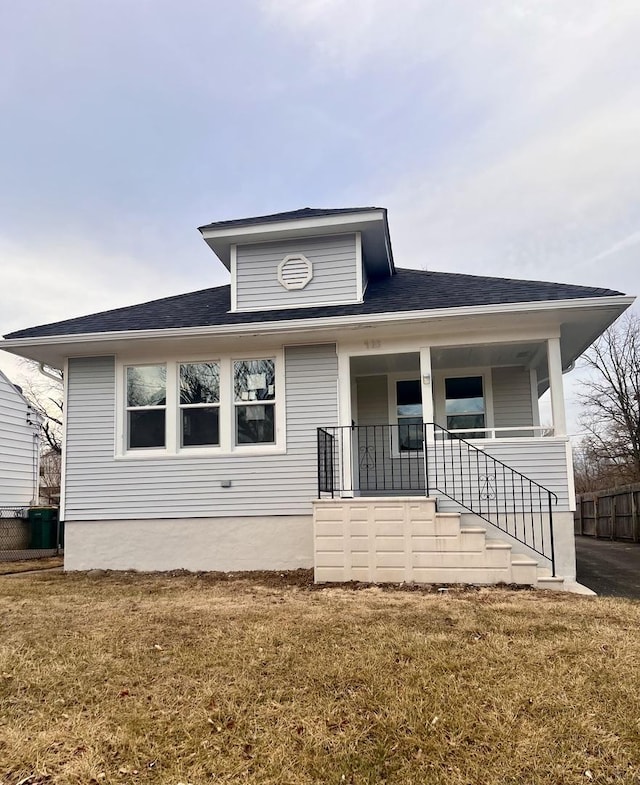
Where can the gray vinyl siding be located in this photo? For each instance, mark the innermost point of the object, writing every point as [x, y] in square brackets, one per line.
[512, 404]
[18, 449]
[101, 487]
[334, 273]
[372, 400]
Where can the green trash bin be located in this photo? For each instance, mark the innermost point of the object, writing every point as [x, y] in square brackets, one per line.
[43, 527]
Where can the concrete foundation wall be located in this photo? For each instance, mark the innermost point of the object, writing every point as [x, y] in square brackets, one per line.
[227, 544]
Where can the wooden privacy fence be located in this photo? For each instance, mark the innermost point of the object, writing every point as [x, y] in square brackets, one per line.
[612, 514]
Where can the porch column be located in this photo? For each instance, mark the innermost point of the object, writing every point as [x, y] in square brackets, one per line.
[427, 389]
[345, 420]
[554, 364]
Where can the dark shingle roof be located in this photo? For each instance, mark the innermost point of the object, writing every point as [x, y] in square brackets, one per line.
[305, 212]
[407, 290]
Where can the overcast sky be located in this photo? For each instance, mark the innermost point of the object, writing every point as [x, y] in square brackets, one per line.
[503, 136]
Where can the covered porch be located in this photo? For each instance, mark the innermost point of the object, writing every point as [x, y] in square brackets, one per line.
[394, 404]
[460, 425]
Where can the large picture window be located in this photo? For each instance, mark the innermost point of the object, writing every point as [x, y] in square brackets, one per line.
[146, 406]
[199, 404]
[254, 392]
[465, 405]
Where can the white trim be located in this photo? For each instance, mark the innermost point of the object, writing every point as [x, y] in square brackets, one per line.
[426, 377]
[311, 324]
[63, 456]
[226, 426]
[302, 224]
[359, 268]
[291, 306]
[345, 414]
[535, 398]
[554, 366]
[233, 269]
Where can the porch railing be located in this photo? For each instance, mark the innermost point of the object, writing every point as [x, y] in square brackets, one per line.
[491, 489]
[371, 459]
[416, 459]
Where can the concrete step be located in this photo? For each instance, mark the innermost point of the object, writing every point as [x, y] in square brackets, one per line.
[551, 584]
[524, 571]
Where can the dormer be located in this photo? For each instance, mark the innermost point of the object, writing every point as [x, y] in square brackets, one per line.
[303, 258]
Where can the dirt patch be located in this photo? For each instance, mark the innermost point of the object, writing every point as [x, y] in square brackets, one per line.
[29, 565]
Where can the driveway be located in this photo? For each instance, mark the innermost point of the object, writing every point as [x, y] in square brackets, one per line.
[611, 569]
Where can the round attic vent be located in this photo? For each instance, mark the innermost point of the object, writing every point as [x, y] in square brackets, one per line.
[295, 271]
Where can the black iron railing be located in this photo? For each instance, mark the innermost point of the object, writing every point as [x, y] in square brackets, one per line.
[494, 491]
[371, 459]
[416, 459]
[326, 462]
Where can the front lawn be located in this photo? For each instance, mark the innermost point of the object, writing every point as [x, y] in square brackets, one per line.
[194, 679]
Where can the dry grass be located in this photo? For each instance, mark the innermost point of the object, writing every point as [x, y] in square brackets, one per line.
[29, 565]
[186, 679]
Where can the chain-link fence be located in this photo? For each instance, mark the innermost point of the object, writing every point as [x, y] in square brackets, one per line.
[29, 533]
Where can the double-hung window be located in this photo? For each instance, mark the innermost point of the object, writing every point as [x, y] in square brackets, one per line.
[465, 405]
[409, 414]
[199, 404]
[254, 396]
[146, 406]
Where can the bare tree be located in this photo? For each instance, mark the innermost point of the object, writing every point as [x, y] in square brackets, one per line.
[50, 474]
[44, 391]
[611, 404]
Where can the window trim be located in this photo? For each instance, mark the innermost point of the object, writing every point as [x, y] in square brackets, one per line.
[439, 377]
[181, 406]
[392, 399]
[161, 407]
[270, 402]
[172, 447]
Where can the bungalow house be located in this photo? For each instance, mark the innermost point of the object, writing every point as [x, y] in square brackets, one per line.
[325, 408]
[19, 449]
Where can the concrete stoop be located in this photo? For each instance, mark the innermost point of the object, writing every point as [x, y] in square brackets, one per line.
[405, 539]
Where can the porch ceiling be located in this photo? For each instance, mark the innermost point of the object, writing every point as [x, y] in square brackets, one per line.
[489, 355]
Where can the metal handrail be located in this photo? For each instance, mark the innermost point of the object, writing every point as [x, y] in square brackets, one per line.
[391, 459]
[491, 489]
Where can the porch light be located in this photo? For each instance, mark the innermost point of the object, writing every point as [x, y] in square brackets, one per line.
[426, 378]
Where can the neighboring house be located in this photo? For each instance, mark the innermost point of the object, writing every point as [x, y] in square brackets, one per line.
[19, 448]
[201, 429]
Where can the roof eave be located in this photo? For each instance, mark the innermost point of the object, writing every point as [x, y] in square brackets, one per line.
[21, 346]
[221, 238]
